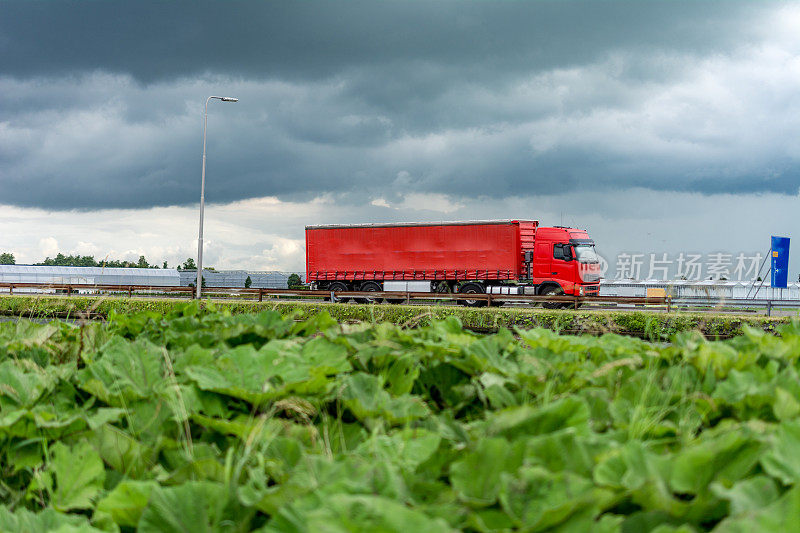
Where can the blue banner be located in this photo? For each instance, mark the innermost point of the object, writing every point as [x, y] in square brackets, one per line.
[780, 261]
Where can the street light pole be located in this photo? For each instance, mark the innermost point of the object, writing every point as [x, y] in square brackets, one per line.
[202, 195]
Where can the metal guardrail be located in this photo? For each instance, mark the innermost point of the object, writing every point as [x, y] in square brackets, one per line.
[736, 303]
[407, 297]
[667, 302]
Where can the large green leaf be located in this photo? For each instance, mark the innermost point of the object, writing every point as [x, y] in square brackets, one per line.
[127, 501]
[364, 395]
[564, 450]
[79, 475]
[749, 495]
[781, 515]
[124, 371]
[122, 452]
[22, 383]
[279, 368]
[407, 447]
[537, 499]
[193, 507]
[782, 460]
[356, 513]
[24, 521]
[476, 476]
[726, 458]
[529, 420]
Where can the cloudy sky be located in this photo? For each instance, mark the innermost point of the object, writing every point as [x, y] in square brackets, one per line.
[661, 127]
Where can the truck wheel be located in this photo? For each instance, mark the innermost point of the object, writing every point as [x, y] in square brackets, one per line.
[472, 288]
[369, 286]
[338, 286]
[552, 291]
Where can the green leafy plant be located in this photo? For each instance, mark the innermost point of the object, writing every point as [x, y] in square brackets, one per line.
[192, 417]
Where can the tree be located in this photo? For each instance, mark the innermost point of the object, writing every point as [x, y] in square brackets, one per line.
[293, 281]
[7, 258]
[165, 265]
[248, 282]
[89, 261]
[70, 260]
[189, 264]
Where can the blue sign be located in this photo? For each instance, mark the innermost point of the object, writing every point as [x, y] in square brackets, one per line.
[780, 261]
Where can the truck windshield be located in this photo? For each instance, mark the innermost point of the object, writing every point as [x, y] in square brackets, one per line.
[586, 254]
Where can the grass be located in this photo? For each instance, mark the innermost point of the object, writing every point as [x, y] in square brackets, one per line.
[649, 325]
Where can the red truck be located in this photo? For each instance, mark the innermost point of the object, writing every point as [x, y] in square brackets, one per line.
[473, 257]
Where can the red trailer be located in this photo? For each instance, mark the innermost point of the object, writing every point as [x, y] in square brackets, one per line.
[497, 256]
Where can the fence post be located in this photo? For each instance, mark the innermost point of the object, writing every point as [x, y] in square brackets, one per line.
[669, 303]
[260, 295]
[769, 307]
[408, 298]
[130, 292]
[69, 290]
[10, 289]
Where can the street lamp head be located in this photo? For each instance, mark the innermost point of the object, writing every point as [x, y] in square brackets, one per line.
[224, 98]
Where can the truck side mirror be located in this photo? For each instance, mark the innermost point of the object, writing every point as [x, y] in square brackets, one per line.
[528, 256]
[567, 251]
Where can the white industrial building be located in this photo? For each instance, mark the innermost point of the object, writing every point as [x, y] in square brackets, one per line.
[270, 279]
[69, 275]
[148, 277]
[701, 289]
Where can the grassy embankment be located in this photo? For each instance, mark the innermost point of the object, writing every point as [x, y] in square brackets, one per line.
[640, 323]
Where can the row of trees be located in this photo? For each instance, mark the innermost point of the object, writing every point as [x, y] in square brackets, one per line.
[89, 261]
[60, 259]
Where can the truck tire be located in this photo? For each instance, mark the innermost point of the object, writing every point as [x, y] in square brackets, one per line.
[338, 286]
[553, 290]
[369, 286]
[472, 288]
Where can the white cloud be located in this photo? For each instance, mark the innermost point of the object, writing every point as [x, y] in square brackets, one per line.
[47, 246]
[266, 234]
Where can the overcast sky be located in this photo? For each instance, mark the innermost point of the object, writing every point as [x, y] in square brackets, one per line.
[661, 127]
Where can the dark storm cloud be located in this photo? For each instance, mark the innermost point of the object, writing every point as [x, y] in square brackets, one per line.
[311, 40]
[102, 101]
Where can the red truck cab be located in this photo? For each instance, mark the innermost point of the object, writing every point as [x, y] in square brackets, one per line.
[564, 260]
